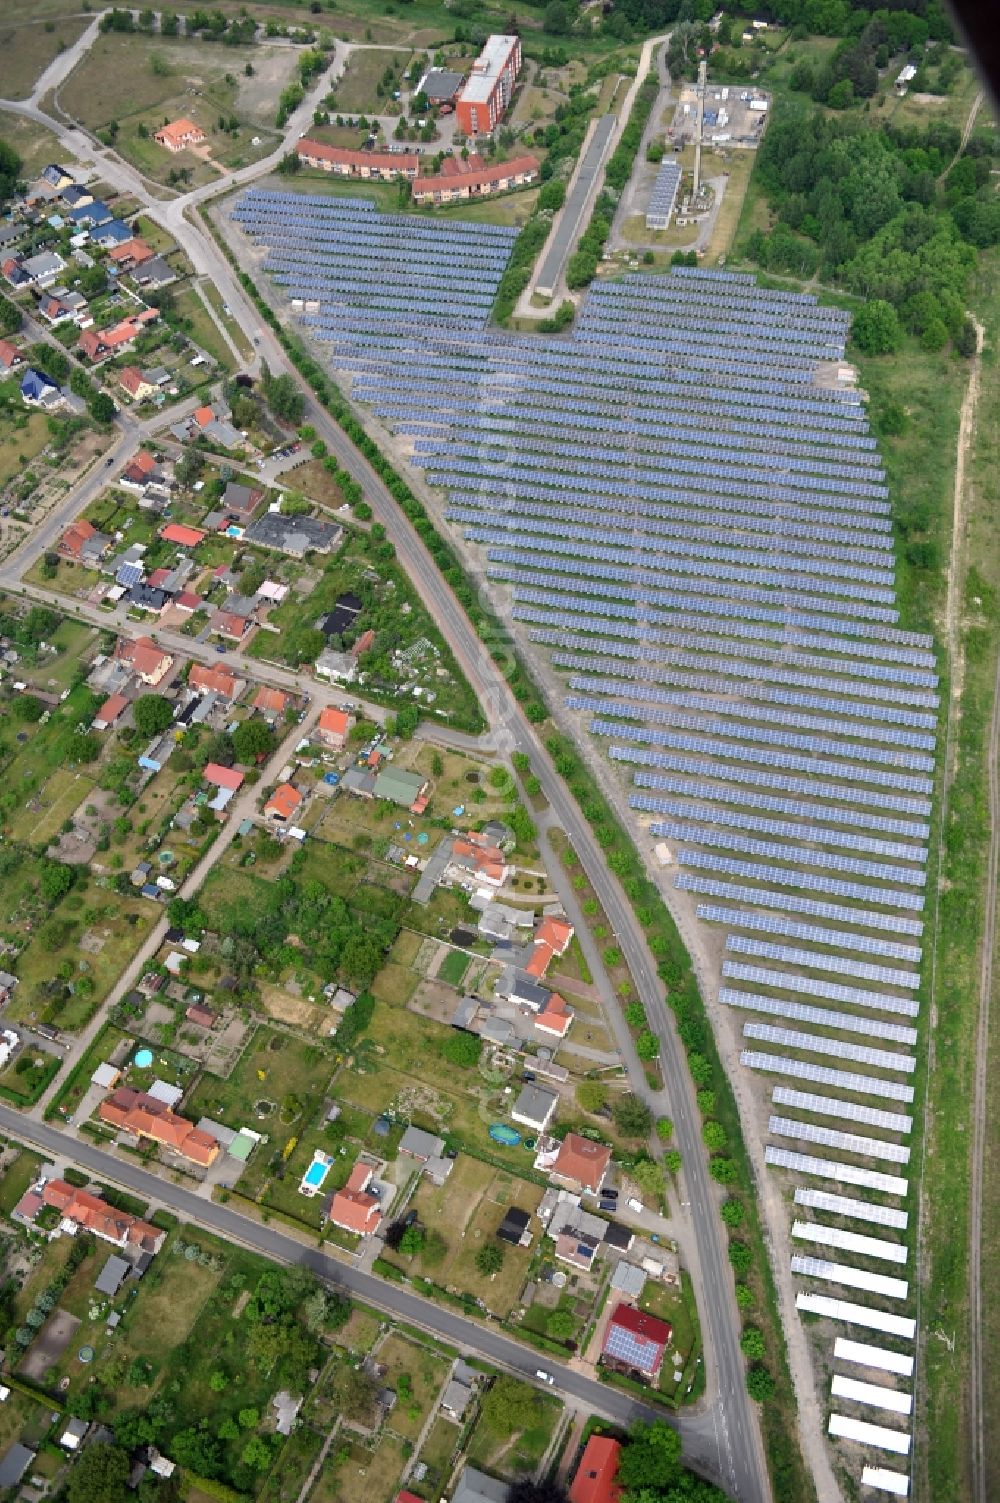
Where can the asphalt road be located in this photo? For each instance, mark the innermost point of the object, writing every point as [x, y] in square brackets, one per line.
[571, 218]
[737, 1457]
[469, 1336]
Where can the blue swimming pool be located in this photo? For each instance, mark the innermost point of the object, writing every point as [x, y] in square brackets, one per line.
[316, 1173]
[501, 1133]
[144, 1058]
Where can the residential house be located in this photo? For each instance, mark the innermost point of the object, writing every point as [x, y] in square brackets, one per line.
[474, 1486]
[140, 471]
[215, 680]
[463, 181]
[552, 938]
[57, 177]
[581, 1162]
[555, 1016]
[456, 1399]
[130, 253]
[39, 390]
[115, 232]
[377, 166]
[635, 1343]
[7, 985]
[111, 710]
[95, 344]
[226, 780]
[184, 537]
[474, 858]
[241, 501]
[271, 702]
[534, 1107]
[283, 804]
[594, 1481]
[153, 273]
[87, 216]
[141, 1115]
[10, 356]
[150, 664]
[81, 1210]
[60, 307]
[628, 1279]
[43, 269]
[338, 667]
[354, 1207]
[179, 135]
[334, 726]
[132, 381]
[146, 596]
[83, 542]
[14, 273]
[421, 1145]
[295, 536]
[76, 195]
[229, 624]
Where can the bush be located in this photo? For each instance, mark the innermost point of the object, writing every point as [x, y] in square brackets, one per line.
[760, 1384]
[752, 1343]
[462, 1049]
[733, 1212]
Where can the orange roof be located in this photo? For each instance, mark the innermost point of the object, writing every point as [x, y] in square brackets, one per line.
[135, 1112]
[229, 624]
[582, 1161]
[554, 932]
[76, 535]
[180, 131]
[223, 777]
[283, 801]
[9, 353]
[595, 1476]
[131, 378]
[538, 962]
[96, 1215]
[214, 680]
[355, 1207]
[135, 250]
[272, 701]
[176, 532]
[337, 722]
[555, 1016]
[146, 658]
[485, 860]
[111, 709]
[342, 156]
[486, 177]
[203, 416]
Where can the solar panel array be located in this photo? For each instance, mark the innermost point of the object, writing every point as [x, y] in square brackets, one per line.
[663, 196]
[681, 505]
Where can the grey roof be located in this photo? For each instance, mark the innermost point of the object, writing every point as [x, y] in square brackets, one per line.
[76, 1427]
[465, 1012]
[294, 535]
[16, 1462]
[238, 497]
[475, 1486]
[112, 1275]
[441, 84]
[7, 981]
[628, 1279]
[456, 1398]
[616, 1235]
[523, 989]
[154, 273]
[358, 780]
[535, 1105]
[423, 1145]
[497, 1031]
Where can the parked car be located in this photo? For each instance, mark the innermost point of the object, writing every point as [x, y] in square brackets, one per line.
[544, 1377]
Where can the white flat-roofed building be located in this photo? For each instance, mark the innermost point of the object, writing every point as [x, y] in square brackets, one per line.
[488, 90]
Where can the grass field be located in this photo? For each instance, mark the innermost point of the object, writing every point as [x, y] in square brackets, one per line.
[519, 1454]
[28, 50]
[352, 1472]
[356, 90]
[35, 145]
[417, 1375]
[210, 291]
[140, 84]
[22, 438]
[64, 792]
[200, 327]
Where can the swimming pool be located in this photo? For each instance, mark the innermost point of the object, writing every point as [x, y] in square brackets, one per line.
[144, 1058]
[312, 1180]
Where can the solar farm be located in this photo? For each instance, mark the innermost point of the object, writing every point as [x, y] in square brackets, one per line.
[688, 515]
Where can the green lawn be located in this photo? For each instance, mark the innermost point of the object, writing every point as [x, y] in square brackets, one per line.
[453, 967]
[15, 1180]
[518, 1455]
[356, 90]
